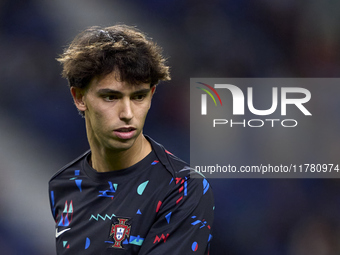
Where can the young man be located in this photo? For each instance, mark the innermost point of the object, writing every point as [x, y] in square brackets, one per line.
[127, 194]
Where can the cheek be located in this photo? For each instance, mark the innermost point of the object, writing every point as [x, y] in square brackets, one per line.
[106, 117]
[143, 111]
[101, 119]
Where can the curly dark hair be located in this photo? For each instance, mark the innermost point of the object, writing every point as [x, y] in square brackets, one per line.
[99, 51]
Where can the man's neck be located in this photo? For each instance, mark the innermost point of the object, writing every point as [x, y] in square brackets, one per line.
[105, 160]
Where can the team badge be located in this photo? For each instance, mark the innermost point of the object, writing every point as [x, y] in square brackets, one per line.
[119, 232]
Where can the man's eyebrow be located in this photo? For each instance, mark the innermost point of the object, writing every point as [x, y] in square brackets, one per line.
[108, 91]
[112, 91]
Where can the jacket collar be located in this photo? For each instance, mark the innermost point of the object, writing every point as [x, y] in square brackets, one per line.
[161, 153]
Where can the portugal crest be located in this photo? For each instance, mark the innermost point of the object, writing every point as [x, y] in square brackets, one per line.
[120, 231]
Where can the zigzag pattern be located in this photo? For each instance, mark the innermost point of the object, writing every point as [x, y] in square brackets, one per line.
[158, 239]
[101, 217]
[67, 214]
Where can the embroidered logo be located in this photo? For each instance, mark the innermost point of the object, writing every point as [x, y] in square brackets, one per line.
[119, 232]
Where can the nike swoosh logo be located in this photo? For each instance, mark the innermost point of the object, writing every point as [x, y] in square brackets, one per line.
[57, 234]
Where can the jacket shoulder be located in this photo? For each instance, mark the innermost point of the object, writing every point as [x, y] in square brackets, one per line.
[70, 164]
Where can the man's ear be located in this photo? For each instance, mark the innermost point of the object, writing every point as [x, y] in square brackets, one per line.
[78, 98]
[153, 89]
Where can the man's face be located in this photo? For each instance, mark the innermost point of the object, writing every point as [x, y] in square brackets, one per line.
[115, 112]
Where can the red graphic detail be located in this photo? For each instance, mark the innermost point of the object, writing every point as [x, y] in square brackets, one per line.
[70, 211]
[158, 239]
[120, 231]
[205, 222]
[158, 206]
[169, 152]
[178, 200]
[179, 180]
[181, 188]
[68, 247]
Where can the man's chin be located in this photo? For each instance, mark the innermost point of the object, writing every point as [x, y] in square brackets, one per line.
[122, 144]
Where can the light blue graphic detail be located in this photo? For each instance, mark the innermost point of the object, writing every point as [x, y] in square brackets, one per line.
[101, 217]
[64, 222]
[104, 193]
[70, 208]
[61, 224]
[87, 243]
[167, 217]
[194, 246]
[205, 186]
[136, 240]
[142, 187]
[198, 221]
[138, 212]
[64, 218]
[115, 185]
[78, 182]
[52, 201]
[65, 208]
[64, 243]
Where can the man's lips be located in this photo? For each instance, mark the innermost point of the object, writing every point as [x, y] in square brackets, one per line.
[125, 129]
[125, 132]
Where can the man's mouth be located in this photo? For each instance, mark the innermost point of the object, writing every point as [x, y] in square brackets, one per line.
[127, 129]
[125, 132]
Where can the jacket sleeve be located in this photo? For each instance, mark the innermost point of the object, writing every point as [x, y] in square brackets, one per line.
[184, 220]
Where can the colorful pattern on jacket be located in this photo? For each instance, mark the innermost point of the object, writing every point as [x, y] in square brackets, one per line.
[158, 206]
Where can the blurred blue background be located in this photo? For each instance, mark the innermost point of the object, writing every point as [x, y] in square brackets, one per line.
[40, 129]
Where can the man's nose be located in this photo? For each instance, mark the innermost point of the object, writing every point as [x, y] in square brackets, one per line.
[125, 111]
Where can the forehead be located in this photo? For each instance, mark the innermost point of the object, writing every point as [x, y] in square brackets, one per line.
[112, 81]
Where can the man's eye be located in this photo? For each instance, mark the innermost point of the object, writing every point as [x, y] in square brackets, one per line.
[110, 98]
[139, 97]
